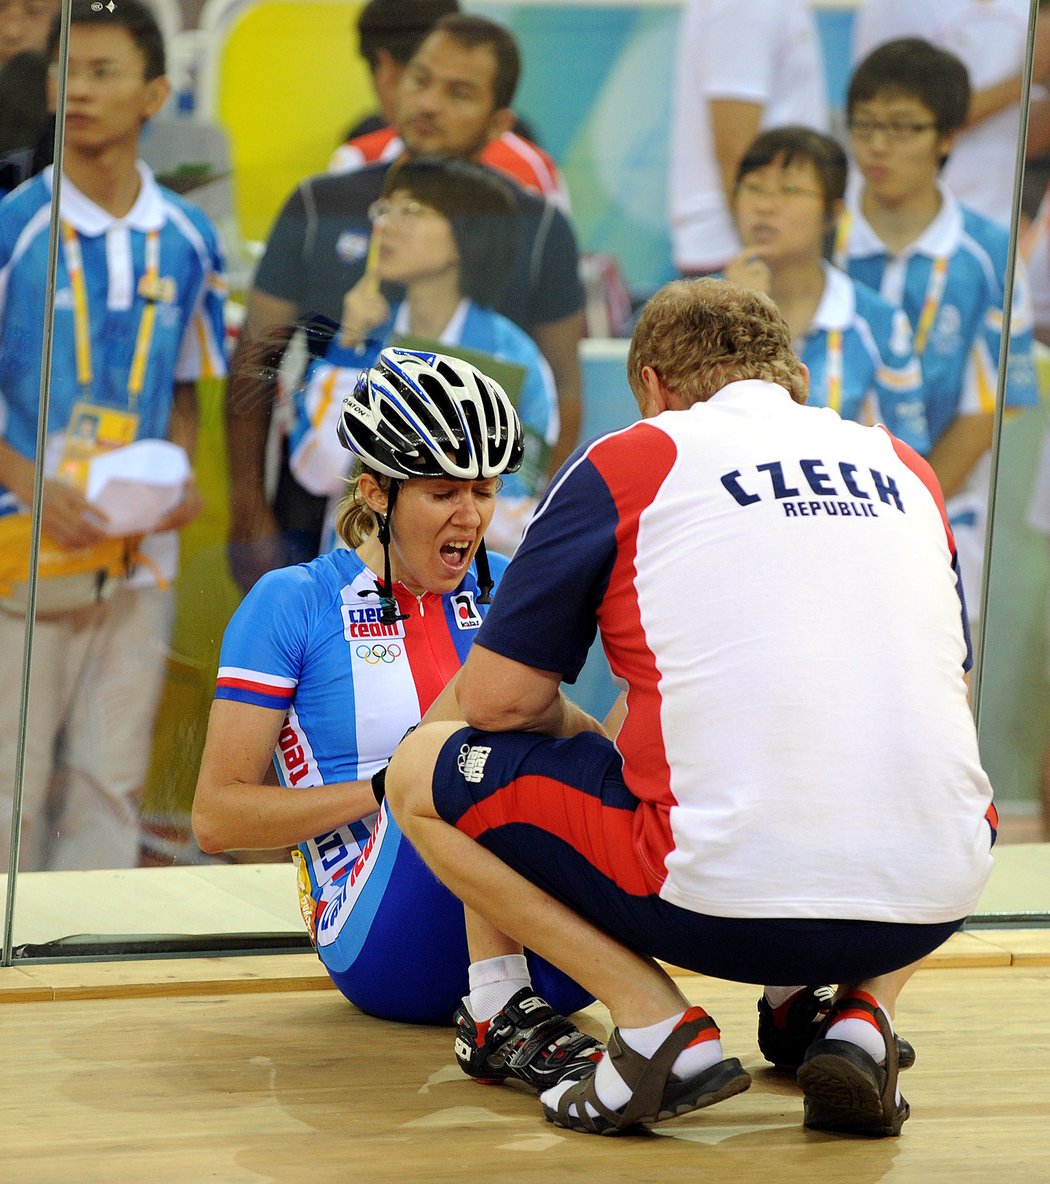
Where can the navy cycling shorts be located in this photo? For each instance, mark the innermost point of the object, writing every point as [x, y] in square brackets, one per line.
[558, 813]
[393, 939]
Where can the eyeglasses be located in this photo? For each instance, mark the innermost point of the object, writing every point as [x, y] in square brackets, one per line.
[410, 211]
[100, 74]
[897, 132]
[783, 192]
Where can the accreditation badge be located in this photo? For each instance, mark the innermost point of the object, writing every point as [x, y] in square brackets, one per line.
[160, 289]
[92, 430]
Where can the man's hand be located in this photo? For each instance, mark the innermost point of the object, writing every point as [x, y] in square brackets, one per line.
[68, 517]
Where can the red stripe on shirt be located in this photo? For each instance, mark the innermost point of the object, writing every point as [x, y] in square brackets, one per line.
[285, 694]
[434, 666]
[634, 465]
[510, 154]
[603, 835]
[922, 469]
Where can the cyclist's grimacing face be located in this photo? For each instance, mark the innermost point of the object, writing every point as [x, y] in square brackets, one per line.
[438, 524]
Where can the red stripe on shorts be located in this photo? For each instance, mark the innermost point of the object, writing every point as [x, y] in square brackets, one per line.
[603, 835]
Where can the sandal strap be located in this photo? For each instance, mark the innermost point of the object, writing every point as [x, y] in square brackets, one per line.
[863, 1002]
[647, 1077]
[581, 1095]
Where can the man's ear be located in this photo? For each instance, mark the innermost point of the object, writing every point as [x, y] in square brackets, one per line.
[157, 92]
[655, 397]
[805, 374]
[946, 143]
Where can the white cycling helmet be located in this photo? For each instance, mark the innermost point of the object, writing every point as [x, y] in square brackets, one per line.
[416, 414]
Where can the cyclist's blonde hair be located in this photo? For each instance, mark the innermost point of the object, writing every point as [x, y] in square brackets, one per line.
[355, 520]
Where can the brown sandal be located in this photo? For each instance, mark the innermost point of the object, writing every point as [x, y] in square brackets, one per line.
[845, 1088]
[656, 1094]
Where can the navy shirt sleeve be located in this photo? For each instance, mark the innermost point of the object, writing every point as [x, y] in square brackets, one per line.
[545, 612]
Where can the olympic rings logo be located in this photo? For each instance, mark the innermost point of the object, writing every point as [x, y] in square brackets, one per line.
[374, 654]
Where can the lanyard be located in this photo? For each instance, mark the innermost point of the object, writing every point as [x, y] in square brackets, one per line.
[833, 374]
[931, 300]
[82, 319]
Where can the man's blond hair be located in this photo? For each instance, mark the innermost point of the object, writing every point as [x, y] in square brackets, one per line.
[701, 335]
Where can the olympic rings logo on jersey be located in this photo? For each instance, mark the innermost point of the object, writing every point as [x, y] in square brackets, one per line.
[374, 654]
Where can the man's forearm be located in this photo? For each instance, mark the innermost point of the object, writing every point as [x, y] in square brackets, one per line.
[250, 395]
[961, 446]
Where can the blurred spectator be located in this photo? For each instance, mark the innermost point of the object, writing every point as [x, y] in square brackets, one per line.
[743, 66]
[1039, 520]
[442, 232]
[455, 98]
[24, 24]
[1036, 249]
[906, 235]
[138, 320]
[26, 132]
[23, 100]
[989, 37]
[390, 33]
[858, 348]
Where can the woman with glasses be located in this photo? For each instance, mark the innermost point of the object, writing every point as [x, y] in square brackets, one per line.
[858, 348]
[444, 234]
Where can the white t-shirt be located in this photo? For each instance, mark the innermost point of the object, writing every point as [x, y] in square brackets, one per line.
[775, 586]
[989, 37]
[757, 51]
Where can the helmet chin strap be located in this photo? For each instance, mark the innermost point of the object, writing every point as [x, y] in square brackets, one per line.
[485, 581]
[385, 590]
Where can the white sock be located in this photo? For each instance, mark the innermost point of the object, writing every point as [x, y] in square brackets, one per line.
[611, 1088]
[494, 982]
[865, 1034]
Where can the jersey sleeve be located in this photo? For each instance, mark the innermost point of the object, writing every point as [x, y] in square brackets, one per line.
[545, 614]
[203, 350]
[980, 378]
[264, 646]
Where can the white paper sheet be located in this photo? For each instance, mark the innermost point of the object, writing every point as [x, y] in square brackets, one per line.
[136, 486]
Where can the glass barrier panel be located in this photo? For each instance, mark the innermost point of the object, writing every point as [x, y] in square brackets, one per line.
[196, 293]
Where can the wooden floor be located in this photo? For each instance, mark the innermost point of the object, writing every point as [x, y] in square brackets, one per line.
[253, 1069]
